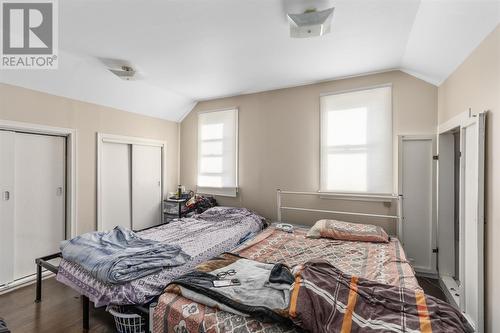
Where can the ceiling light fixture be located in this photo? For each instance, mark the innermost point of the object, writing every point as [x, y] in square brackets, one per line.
[311, 23]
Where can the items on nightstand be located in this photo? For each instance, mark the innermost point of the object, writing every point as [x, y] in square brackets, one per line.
[285, 227]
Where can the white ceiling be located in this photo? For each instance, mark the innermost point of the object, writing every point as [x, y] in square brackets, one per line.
[192, 50]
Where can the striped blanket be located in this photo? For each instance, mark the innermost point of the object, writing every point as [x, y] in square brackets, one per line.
[324, 299]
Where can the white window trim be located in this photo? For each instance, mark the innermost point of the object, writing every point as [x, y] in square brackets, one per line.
[221, 191]
[349, 194]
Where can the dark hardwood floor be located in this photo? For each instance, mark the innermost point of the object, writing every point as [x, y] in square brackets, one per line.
[59, 311]
[431, 287]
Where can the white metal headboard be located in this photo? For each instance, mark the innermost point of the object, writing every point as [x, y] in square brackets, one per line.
[341, 196]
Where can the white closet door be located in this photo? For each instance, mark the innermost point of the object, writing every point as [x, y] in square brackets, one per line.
[115, 183]
[39, 195]
[472, 221]
[6, 206]
[416, 185]
[146, 186]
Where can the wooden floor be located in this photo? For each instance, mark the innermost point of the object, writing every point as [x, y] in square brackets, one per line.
[431, 287]
[59, 311]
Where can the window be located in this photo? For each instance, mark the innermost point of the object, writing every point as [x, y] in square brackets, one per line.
[217, 152]
[356, 141]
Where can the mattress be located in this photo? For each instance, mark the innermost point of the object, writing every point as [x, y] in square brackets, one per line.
[382, 262]
[204, 236]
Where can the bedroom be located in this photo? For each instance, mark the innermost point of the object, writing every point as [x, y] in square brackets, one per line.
[378, 112]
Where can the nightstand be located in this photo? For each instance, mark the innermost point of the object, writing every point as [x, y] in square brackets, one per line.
[172, 209]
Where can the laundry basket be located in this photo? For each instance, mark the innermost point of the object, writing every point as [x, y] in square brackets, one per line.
[3, 326]
[127, 321]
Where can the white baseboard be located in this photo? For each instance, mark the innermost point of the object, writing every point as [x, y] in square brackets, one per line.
[451, 289]
[19, 283]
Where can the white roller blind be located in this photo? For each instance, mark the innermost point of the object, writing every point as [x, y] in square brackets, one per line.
[356, 141]
[217, 152]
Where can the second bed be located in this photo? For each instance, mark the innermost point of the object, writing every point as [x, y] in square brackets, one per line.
[381, 262]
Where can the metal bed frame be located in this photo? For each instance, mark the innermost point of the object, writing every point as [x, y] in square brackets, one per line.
[146, 309]
[43, 262]
[347, 196]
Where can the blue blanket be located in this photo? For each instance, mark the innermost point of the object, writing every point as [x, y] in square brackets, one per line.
[120, 255]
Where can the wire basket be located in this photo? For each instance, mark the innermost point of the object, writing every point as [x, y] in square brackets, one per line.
[3, 327]
[127, 321]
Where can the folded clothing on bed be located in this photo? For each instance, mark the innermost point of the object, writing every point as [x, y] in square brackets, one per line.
[120, 255]
[263, 290]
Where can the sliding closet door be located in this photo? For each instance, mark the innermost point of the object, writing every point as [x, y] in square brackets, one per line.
[146, 186]
[39, 194]
[115, 186]
[472, 220]
[6, 206]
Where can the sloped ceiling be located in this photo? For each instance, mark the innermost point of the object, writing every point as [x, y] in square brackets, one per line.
[191, 50]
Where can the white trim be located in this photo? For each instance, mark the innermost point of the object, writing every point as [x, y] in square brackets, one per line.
[220, 191]
[131, 140]
[22, 282]
[71, 163]
[230, 108]
[457, 121]
[178, 153]
[451, 289]
[461, 122]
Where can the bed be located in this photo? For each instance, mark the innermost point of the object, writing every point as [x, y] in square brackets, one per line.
[382, 262]
[202, 236]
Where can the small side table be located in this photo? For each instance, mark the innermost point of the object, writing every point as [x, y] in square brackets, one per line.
[179, 202]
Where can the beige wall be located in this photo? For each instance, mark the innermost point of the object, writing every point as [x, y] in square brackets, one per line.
[476, 85]
[279, 135]
[19, 104]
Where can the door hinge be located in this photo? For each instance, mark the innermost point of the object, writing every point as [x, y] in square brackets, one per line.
[436, 250]
[435, 157]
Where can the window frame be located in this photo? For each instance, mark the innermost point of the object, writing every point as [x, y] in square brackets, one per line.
[220, 191]
[321, 119]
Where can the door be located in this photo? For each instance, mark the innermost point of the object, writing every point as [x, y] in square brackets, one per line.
[115, 186]
[130, 182]
[39, 195]
[472, 220]
[6, 207]
[146, 186]
[33, 200]
[416, 186]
